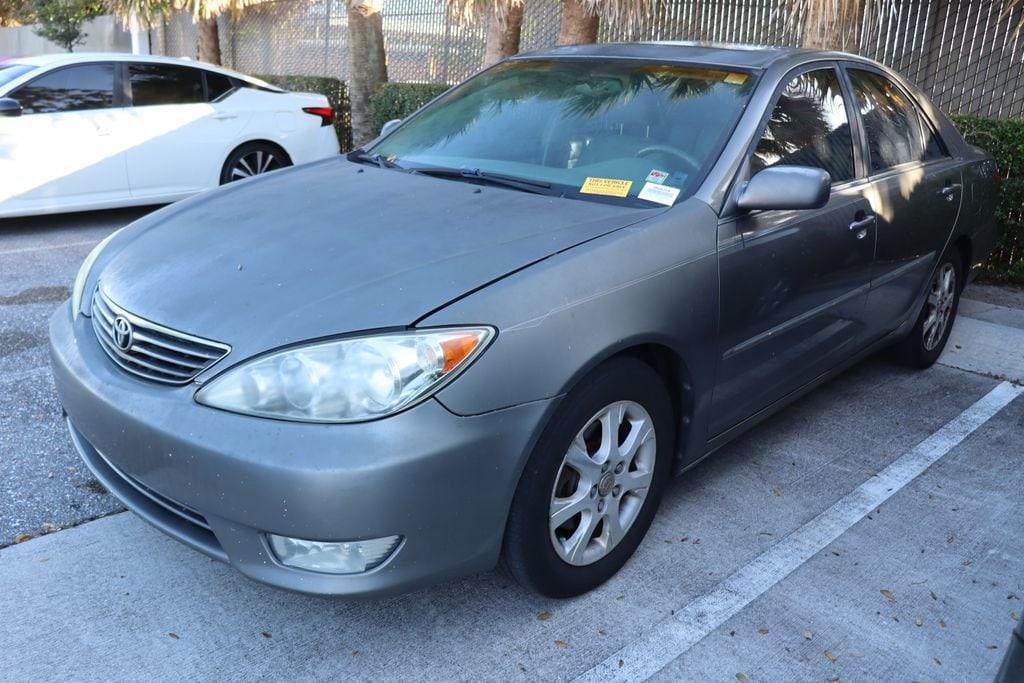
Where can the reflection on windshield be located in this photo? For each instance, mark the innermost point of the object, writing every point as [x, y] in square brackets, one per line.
[607, 131]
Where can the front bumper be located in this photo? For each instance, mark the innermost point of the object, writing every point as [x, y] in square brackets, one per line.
[219, 482]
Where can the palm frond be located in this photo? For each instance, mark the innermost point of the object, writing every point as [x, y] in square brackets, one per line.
[468, 11]
[148, 12]
[1009, 8]
[628, 12]
[209, 9]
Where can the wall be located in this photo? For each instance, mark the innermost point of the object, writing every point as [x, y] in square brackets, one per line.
[104, 34]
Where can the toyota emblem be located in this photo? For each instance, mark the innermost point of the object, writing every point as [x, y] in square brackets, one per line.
[122, 333]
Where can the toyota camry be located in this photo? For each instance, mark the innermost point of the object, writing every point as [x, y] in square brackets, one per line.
[499, 330]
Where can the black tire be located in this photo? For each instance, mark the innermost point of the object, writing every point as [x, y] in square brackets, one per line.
[529, 553]
[923, 346]
[252, 159]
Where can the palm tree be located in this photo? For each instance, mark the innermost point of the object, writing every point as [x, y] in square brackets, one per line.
[504, 30]
[367, 64]
[832, 24]
[204, 13]
[504, 24]
[580, 21]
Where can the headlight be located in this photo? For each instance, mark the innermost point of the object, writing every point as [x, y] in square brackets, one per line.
[347, 380]
[83, 273]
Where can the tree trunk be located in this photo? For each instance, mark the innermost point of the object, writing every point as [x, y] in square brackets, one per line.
[833, 26]
[209, 40]
[367, 68]
[504, 29]
[578, 24]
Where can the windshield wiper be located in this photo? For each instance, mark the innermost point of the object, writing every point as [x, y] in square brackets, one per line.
[381, 161]
[515, 182]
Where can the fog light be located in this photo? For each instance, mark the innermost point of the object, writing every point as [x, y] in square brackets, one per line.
[333, 557]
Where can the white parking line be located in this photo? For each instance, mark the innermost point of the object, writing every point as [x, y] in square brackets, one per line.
[48, 247]
[693, 622]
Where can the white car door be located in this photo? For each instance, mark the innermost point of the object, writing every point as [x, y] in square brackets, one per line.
[180, 138]
[64, 152]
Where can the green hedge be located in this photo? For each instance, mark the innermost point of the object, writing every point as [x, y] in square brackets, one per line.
[1004, 140]
[398, 100]
[332, 88]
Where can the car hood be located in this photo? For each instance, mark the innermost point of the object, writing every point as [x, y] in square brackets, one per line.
[335, 247]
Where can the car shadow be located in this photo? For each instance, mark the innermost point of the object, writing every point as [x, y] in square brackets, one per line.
[37, 225]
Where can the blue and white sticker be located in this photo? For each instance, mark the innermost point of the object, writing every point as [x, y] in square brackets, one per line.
[660, 194]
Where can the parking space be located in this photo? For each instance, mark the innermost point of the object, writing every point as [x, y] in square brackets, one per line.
[871, 531]
[43, 484]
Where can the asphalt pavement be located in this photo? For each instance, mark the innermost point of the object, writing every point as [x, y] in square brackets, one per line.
[872, 531]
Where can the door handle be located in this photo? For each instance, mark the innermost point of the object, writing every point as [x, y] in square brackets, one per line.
[949, 191]
[861, 226]
[224, 117]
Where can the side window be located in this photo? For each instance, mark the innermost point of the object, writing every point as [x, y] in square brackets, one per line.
[894, 128]
[809, 127]
[77, 88]
[217, 85]
[153, 84]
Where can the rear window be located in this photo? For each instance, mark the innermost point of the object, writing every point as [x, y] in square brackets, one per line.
[895, 130]
[156, 84]
[217, 85]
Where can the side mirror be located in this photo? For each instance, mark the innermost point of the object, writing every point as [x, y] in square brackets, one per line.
[9, 107]
[390, 126]
[786, 187]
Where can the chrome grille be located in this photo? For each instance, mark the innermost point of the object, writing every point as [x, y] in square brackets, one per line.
[152, 351]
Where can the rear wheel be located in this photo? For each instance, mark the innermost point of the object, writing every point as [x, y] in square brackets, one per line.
[593, 483]
[253, 159]
[926, 341]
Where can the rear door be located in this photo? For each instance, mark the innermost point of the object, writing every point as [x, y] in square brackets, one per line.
[180, 136]
[794, 283]
[915, 191]
[63, 151]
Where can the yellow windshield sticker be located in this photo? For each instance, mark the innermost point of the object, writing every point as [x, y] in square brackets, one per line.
[609, 187]
[735, 78]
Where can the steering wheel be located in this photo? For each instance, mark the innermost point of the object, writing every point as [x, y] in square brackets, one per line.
[687, 160]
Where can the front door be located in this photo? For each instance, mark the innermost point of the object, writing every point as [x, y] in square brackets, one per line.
[63, 151]
[794, 283]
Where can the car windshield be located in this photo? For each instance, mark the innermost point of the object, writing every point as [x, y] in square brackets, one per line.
[626, 131]
[8, 72]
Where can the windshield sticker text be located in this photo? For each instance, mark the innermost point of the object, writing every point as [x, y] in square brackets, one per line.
[609, 187]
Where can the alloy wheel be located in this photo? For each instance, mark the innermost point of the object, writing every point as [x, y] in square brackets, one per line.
[940, 303]
[602, 483]
[255, 163]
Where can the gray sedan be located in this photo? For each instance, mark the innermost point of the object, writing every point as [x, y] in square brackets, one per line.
[499, 330]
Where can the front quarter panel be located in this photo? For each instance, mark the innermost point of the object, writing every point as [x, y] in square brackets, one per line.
[655, 282]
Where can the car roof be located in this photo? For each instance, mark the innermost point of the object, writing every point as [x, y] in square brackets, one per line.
[80, 57]
[64, 59]
[695, 52]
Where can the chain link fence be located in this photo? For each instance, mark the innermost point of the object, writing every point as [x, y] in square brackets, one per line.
[965, 53]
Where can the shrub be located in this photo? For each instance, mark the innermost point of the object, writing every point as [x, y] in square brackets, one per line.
[398, 100]
[333, 89]
[1004, 140]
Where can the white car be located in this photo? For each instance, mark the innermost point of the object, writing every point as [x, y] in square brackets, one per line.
[96, 131]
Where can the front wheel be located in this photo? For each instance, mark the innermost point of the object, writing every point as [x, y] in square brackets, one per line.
[926, 341]
[593, 483]
[253, 159]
